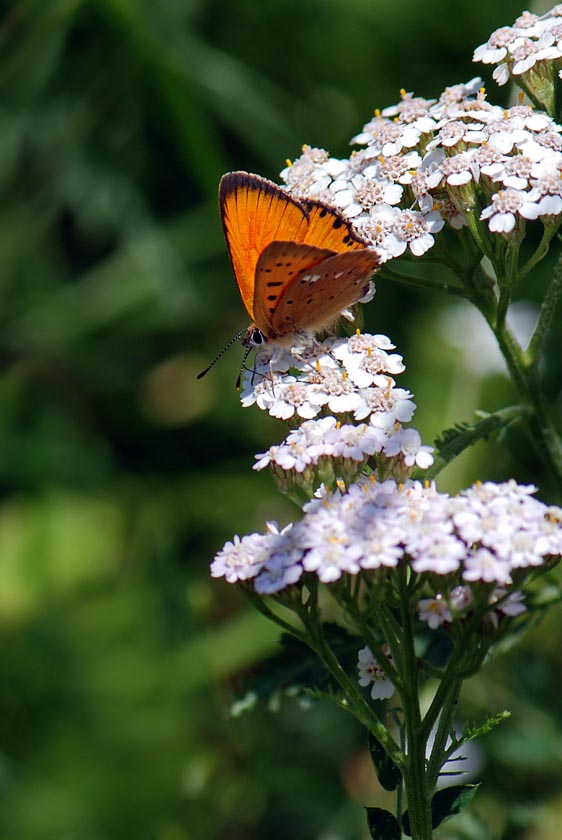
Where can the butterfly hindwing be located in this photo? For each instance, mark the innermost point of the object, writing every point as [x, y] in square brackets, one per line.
[317, 296]
[256, 212]
[279, 268]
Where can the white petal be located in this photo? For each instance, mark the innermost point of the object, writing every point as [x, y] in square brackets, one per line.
[550, 205]
[500, 74]
[459, 178]
[502, 223]
[422, 244]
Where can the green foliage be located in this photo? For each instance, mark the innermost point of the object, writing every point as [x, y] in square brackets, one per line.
[453, 442]
[474, 730]
[388, 773]
[382, 824]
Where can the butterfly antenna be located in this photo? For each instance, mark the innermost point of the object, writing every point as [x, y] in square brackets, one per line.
[247, 352]
[235, 338]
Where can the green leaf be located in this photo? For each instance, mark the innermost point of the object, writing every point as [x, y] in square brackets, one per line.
[445, 804]
[474, 730]
[388, 773]
[382, 824]
[454, 441]
[451, 801]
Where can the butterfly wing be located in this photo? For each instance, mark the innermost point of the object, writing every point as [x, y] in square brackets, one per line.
[279, 268]
[254, 213]
[316, 296]
[327, 228]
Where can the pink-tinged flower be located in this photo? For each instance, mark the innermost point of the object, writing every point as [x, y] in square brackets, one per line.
[241, 559]
[371, 672]
[434, 611]
[407, 442]
[485, 565]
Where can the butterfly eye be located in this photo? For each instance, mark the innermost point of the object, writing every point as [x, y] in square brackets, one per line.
[255, 338]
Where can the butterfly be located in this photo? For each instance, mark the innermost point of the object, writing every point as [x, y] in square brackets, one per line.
[298, 262]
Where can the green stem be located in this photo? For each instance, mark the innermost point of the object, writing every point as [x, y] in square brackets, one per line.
[443, 729]
[526, 379]
[392, 633]
[260, 605]
[546, 315]
[464, 660]
[415, 777]
[540, 253]
[523, 368]
[390, 627]
[482, 291]
[421, 282]
[367, 634]
[356, 703]
[503, 306]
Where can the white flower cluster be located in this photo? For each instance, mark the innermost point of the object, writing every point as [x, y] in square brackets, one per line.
[447, 156]
[319, 441]
[349, 377]
[531, 44]
[490, 533]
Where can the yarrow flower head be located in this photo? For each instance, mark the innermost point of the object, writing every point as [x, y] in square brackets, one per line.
[427, 165]
[343, 394]
[487, 539]
[530, 49]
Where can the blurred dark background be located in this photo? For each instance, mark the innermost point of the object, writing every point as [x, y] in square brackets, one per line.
[121, 476]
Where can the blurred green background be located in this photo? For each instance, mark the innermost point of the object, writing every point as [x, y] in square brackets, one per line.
[121, 475]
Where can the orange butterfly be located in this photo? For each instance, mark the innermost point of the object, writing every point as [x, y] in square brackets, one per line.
[298, 263]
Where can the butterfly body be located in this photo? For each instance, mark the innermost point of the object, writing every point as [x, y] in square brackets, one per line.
[298, 264]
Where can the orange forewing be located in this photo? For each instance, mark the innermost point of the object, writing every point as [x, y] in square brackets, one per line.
[329, 229]
[254, 213]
